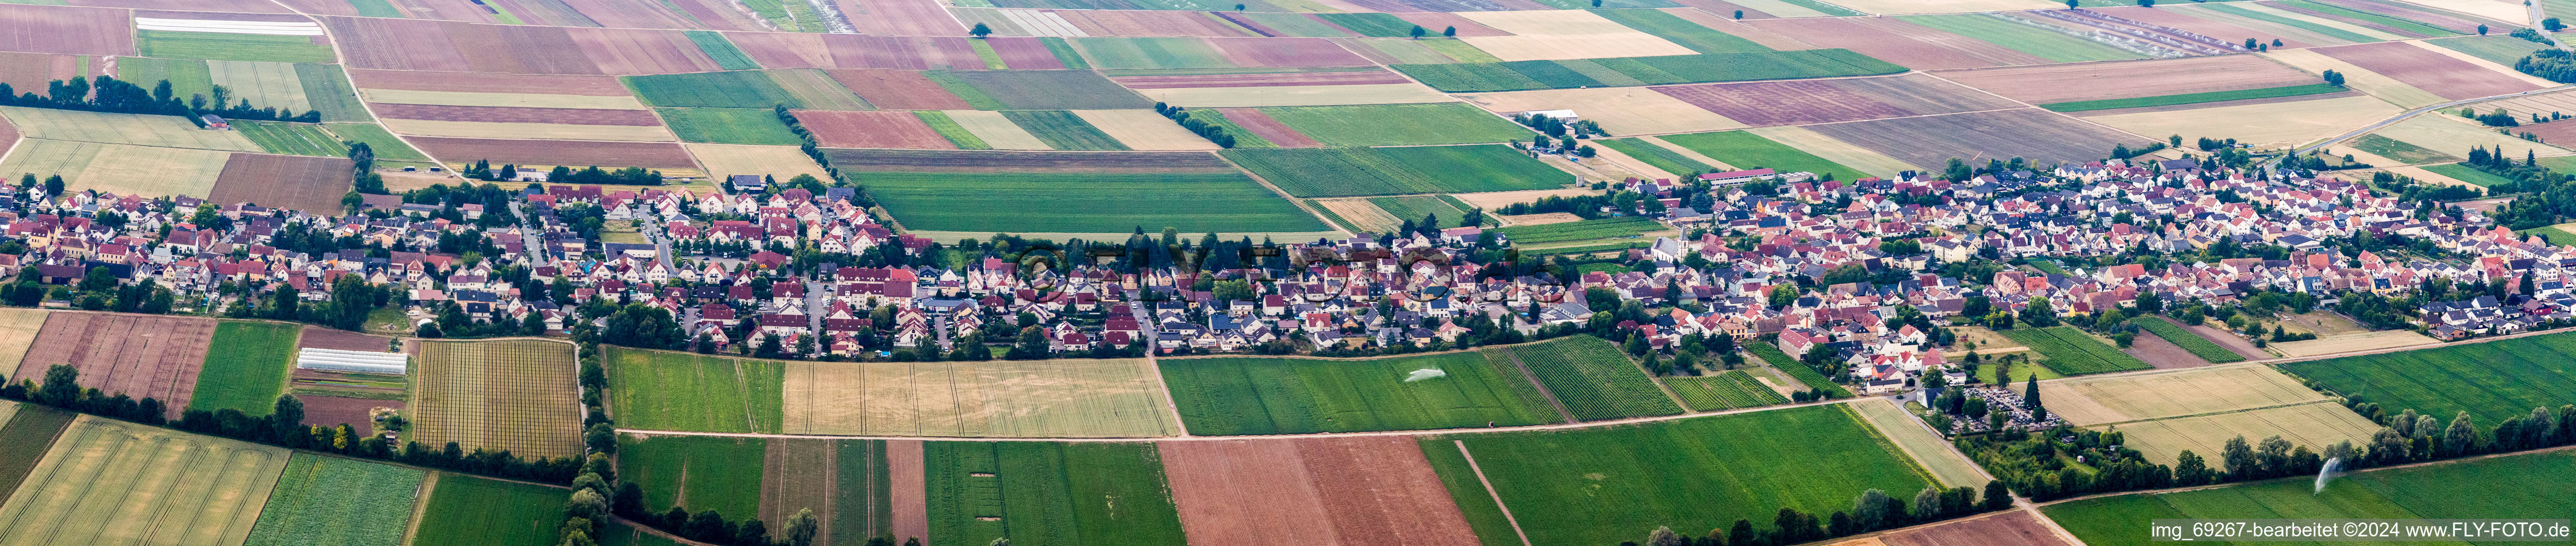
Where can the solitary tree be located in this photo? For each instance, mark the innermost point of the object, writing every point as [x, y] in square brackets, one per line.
[2030, 394]
[1418, 32]
[2482, 30]
[981, 31]
[800, 528]
[1451, 32]
[2070, 4]
[2147, 3]
[1739, 14]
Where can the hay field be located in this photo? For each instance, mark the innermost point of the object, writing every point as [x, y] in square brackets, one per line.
[2315, 425]
[119, 168]
[1046, 398]
[514, 394]
[1927, 448]
[2353, 342]
[2095, 401]
[1900, 7]
[18, 327]
[1358, 214]
[135, 129]
[1144, 130]
[1553, 34]
[2372, 83]
[2447, 133]
[558, 131]
[112, 482]
[2262, 125]
[996, 130]
[522, 100]
[783, 162]
[1294, 95]
[1619, 110]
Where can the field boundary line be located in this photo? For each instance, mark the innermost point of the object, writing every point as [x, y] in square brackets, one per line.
[1489, 490]
[1170, 402]
[1541, 386]
[420, 504]
[340, 58]
[1426, 432]
[1950, 448]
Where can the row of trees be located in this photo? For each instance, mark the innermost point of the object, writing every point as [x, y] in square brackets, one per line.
[1211, 131]
[108, 94]
[813, 148]
[1872, 510]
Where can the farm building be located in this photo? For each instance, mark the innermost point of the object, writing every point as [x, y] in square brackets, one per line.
[746, 183]
[215, 122]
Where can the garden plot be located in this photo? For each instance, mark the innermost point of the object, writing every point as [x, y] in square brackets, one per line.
[1619, 110]
[1051, 398]
[1236, 396]
[109, 481]
[1377, 490]
[137, 355]
[2271, 124]
[504, 394]
[135, 129]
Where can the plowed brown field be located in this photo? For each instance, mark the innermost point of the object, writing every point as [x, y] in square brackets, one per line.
[877, 129]
[305, 183]
[898, 90]
[1025, 54]
[1370, 77]
[139, 355]
[337, 410]
[2014, 528]
[2441, 74]
[316, 337]
[899, 52]
[627, 51]
[1285, 52]
[900, 18]
[910, 498]
[1376, 491]
[57, 29]
[1825, 101]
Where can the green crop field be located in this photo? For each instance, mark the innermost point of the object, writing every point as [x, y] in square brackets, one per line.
[233, 47]
[1138, 53]
[1335, 172]
[2199, 346]
[25, 436]
[1050, 89]
[1061, 494]
[186, 76]
[1605, 228]
[1721, 391]
[246, 367]
[1415, 207]
[2040, 42]
[2402, 26]
[1795, 369]
[1750, 151]
[469, 510]
[723, 52]
[2411, 154]
[657, 390]
[720, 473]
[2465, 173]
[331, 501]
[2552, 233]
[2194, 98]
[1591, 377]
[2071, 352]
[1679, 31]
[1292, 25]
[948, 128]
[1605, 485]
[1398, 124]
[2492, 488]
[386, 146]
[292, 138]
[737, 89]
[2337, 33]
[975, 98]
[2502, 49]
[729, 126]
[1062, 130]
[1085, 203]
[2491, 380]
[1656, 156]
[1486, 518]
[1243, 138]
[1235, 396]
[1378, 25]
[1466, 77]
[329, 93]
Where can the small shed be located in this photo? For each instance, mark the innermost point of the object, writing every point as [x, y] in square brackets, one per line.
[215, 122]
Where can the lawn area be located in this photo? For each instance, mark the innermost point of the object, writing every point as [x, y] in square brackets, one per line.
[2491, 380]
[1062, 130]
[2199, 346]
[2465, 173]
[735, 89]
[2044, 43]
[720, 473]
[1235, 396]
[332, 501]
[1722, 391]
[1796, 370]
[1398, 124]
[465, 509]
[1063, 494]
[1750, 151]
[2494, 488]
[2383, 146]
[246, 367]
[2071, 352]
[291, 138]
[1700, 473]
[1591, 377]
[660, 390]
[1337, 172]
[1085, 202]
[729, 126]
[231, 47]
[2193, 98]
[1622, 227]
[1655, 156]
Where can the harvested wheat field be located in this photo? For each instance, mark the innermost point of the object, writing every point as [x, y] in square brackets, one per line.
[310, 184]
[996, 130]
[1841, 153]
[1908, 44]
[1072, 398]
[2447, 77]
[783, 162]
[18, 329]
[1361, 214]
[2359, 79]
[2526, 105]
[1299, 95]
[1804, 102]
[889, 129]
[2314, 424]
[113, 482]
[2129, 79]
[2088, 401]
[135, 129]
[1144, 130]
[138, 355]
[120, 169]
[1557, 34]
[2384, 339]
[1619, 110]
[1375, 490]
[2262, 125]
[513, 394]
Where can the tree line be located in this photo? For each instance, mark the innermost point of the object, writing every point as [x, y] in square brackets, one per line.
[1211, 131]
[111, 95]
[1872, 510]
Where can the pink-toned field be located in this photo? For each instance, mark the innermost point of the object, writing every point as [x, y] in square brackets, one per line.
[2449, 77]
[469, 82]
[640, 14]
[1824, 101]
[293, 182]
[337, 410]
[2128, 79]
[1375, 490]
[8, 136]
[2452, 21]
[795, 50]
[223, 16]
[656, 155]
[627, 51]
[1025, 54]
[404, 44]
[1149, 23]
[2216, 29]
[1269, 129]
[236, 6]
[500, 114]
[30, 71]
[900, 17]
[138, 355]
[2555, 131]
[878, 129]
[1285, 52]
[1900, 42]
[1437, 21]
[321, 7]
[57, 29]
[396, 44]
[898, 90]
[1262, 80]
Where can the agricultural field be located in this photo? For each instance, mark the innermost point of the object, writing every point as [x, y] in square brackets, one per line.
[1604, 228]
[847, 483]
[728, 126]
[331, 501]
[992, 129]
[1044, 90]
[783, 162]
[1237, 396]
[232, 46]
[2055, 83]
[721, 473]
[514, 394]
[2258, 123]
[135, 129]
[1397, 124]
[2382, 146]
[2037, 39]
[735, 89]
[1332, 172]
[138, 355]
[1590, 378]
[2194, 98]
[1726, 390]
[1469, 77]
[2198, 346]
[464, 509]
[18, 329]
[2503, 50]
[1062, 130]
[2497, 487]
[1827, 101]
[1073, 398]
[108, 481]
[2142, 397]
[384, 143]
[2037, 135]
[27, 433]
[1619, 110]
[1069, 494]
[246, 367]
[1075, 202]
[1689, 474]
[500, 130]
[2490, 380]
[296, 182]
[2315, 425]
[292, 138]
[1746, 150]
[1920, 443]
[1294, 95]
[1795, 369]
[658, 390]
[1146, 130]
[1415, 207]
[722, 52]
[1352, 491]
[2430, 70]
[1655, 156]
[2072, 352]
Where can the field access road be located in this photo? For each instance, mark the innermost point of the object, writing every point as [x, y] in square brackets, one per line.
[2401, 116]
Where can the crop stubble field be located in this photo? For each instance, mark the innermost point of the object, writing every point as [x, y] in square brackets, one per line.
[1234, 396]
[1071, 398]
[109, 481]
[514, 394]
